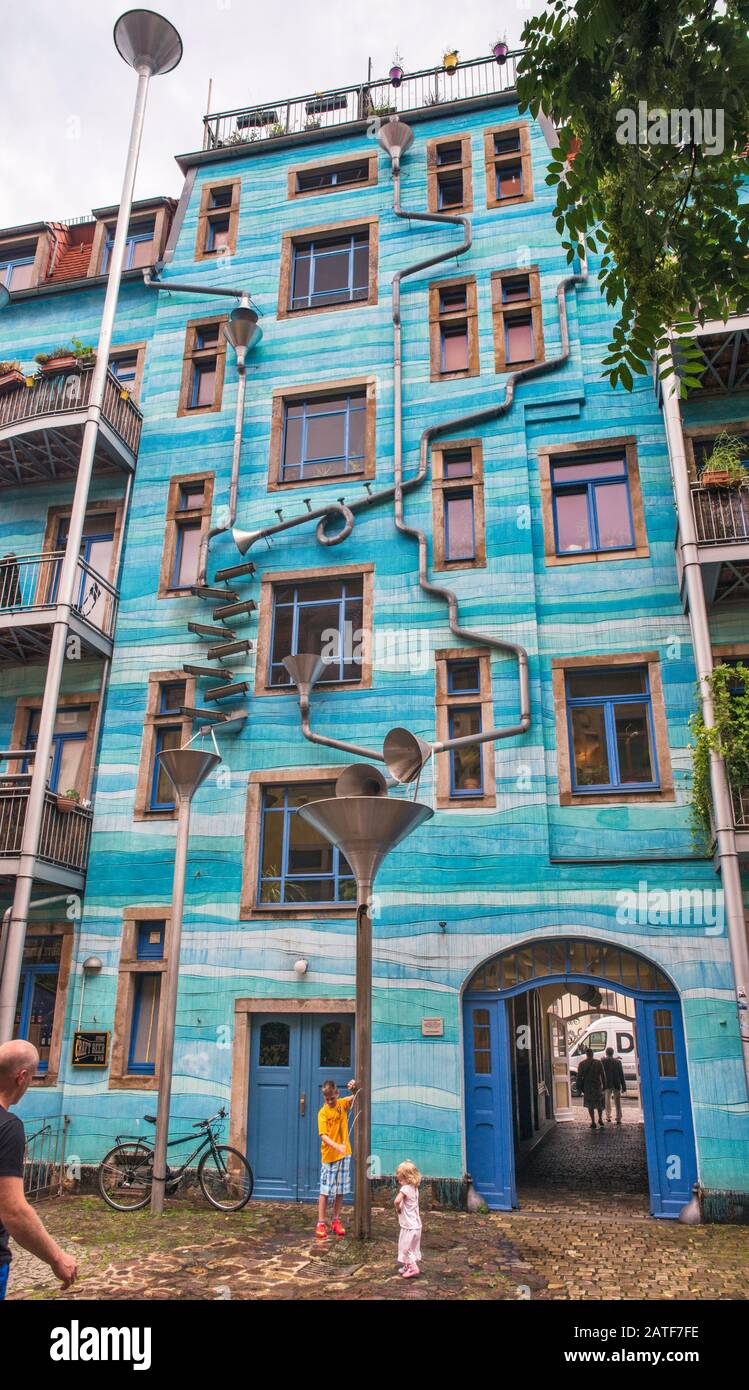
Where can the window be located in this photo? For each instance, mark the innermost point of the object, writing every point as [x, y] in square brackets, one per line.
[465, 776]
[665, 1048]
[275, 1044]
[139, 246]
[509, 173]
[68, 760]
[458, 506]
[453, 329]
[482, 1050]
[296, 864]
[323, 438]
[335, 1045]
[703, 444]
[516, 311]
[611, 735]
[203, 366]
[325, 616]
[164, 727]
[328, 268]
[126, 364]
[188, 517]
[591, 502]
[17, 269]
[134, 1061]
[37, 994]
[218, 220]
[145, 1025]
[330, 177]
[449, 175]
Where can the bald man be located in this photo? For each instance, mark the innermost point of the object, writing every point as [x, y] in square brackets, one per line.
[18, 1062]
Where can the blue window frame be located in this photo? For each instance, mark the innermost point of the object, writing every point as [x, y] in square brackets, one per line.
[610, 729]
[324, 438]
[125, 368]
[171, 697]
[330, 270]
[296, 864]
[144, 1026]
[591, 504]
[309, 180]
[218, 234]
[64, 761]
[16, 273]
[466, 765]
[463, 677]
[150, 941]
[186, 554]
[510, 182]
[460, 524]
[162, 792]
[37, 994]
[324, 616]
[138, 247]
[450, 189]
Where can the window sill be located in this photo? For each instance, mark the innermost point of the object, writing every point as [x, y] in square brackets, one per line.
[320, 688]
[635, 552]
[129, 1082]
[155, 815]
[269, 911]
[619, 798]
[327, 308]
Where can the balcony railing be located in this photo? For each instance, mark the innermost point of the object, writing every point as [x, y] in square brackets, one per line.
[65, 835]
[71, 391]
[740, 798]
[721, 514]
[30, 583]
[342, 106]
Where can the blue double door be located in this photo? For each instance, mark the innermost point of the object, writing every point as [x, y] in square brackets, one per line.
[291, 1055]
[667, 1111]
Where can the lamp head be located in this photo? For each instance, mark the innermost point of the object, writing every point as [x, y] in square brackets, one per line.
[145, 39]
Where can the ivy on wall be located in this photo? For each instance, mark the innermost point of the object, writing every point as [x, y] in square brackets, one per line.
[729, 737]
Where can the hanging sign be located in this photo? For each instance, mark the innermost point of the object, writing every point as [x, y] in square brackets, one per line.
[90, 1049]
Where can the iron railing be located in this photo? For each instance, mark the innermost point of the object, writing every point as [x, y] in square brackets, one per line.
[342, 106]
[721, 514]
[44, 1161]
[29, 583]
[71, 391]
[65, 834]
[740, 799]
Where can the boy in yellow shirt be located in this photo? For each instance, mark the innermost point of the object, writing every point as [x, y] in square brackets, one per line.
[335, 1172]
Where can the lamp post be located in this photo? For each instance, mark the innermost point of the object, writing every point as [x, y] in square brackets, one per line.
[151, 45]
[187, 769]
[364, 829]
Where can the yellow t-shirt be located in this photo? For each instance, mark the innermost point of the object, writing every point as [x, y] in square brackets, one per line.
[332, 1123]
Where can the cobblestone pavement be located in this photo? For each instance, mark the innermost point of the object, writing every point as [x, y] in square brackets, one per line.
[574, 1156]
[558, 1246]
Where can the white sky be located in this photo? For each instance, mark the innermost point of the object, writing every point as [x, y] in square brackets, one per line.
[66, 95]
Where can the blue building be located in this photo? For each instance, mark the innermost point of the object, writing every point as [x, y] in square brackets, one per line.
[560, 861]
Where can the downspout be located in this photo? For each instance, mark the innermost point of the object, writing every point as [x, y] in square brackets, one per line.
[725, 835]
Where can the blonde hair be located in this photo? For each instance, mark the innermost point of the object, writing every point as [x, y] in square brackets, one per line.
[408, 1172]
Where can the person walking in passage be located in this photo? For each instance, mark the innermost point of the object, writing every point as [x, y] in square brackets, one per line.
[615, 1085]
[591, 1082]
[407, 1206]
[18, 1062]
[335, 1171]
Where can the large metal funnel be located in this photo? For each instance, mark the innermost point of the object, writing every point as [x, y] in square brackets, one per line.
[243, 331]
[146, 40]
[305, 669]
[187, 768]
[405, 754]
[361, 779]
[365, 828]
[395, 137]
[244, 539]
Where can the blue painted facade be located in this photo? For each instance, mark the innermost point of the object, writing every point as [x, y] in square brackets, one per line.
[472, 882]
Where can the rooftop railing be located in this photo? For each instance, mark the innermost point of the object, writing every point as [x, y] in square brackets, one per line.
[65, 835]
[29, 583]
[342, 106]
[71, 391]
[721, 514]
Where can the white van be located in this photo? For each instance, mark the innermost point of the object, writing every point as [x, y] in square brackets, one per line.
[610, 1031]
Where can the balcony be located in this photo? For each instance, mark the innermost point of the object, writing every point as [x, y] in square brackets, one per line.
[432, 89]
[725, 353]
[721, 517]
[41, 428]
[63, 842]
[29, 610]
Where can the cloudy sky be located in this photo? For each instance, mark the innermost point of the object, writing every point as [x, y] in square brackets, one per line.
[66, 95]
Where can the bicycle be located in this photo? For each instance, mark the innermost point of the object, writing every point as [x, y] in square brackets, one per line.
[126, 1172]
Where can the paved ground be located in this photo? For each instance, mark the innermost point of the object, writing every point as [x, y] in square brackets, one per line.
[581, 1159]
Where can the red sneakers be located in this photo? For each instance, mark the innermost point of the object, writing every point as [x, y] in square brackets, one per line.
[321, 1231]
[337, 1228]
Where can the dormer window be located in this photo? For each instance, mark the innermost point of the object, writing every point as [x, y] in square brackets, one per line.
[17, 268]
[139, 246]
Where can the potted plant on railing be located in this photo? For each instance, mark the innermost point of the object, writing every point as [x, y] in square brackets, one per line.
[59, 360]
[68, 800]
[500, 50]
[10, 376]
[396, 70]
[450, 61]
[724, 466]
[84, 355]
[729, 737]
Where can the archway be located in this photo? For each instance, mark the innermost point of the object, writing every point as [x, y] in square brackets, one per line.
[509, 1076]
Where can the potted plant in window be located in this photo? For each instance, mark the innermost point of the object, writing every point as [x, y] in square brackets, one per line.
[10, 376]
[450, 61]
[59, 360]
[68, 800]
[724, 465]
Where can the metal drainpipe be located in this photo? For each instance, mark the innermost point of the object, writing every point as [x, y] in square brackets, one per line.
[725, 835]
[369, 753]
[181, 287]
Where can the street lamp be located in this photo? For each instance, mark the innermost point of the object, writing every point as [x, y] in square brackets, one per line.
[364, 828]
[187, 769]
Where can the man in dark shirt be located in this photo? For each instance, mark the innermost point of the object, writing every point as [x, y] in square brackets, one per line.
[18, 1062]
[615, 1084]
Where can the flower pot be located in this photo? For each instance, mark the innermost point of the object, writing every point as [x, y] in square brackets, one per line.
[58, 365]
[9, 380]
[66, 803]
[86, 363]
[450, 62]
[718, 478]
[500, 51]
[395, 75]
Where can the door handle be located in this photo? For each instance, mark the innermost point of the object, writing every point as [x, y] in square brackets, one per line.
[302, 1103]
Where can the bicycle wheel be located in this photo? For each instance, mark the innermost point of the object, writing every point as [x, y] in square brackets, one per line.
[125, 1176]
[226, 1178]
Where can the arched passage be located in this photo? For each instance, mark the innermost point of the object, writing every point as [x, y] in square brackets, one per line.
[506, 1064]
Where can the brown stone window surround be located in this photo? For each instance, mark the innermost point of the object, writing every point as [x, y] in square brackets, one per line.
[56, 515]
[218, 219]
[159, 216]
[249, 905]
[129, 969]
[447, 701]
[64, 932]
[138, 351]
[327, 232]
[457, 468]
[178, 516]
[453, 318]
[151, 724]
[514, 154]
[588, 450]
[516, 298]
[37, 248]
[205, 346]
[449, 171]
[559, 668]
[303, 175]
[268, 585]
[695, 435]
[25, 704]
[319, 392]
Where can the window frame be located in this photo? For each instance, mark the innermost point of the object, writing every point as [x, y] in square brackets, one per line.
[65, 931]
[208, 215]
[284, 876]
[441, 318]
[154, 720]
[503, 312]
[462, 165]
[250, 907]
[268, 584]
[331, 165]
[326, 232]
[447, 701]
[589, 486]
[300, 604]
[176, 518]
[131, 969]
[442, 487]
[196, 356]
[608, 703]
[132, 239]
[285, 396]
[138, 351]
[583, 451]
[695, 434]
[493, 162]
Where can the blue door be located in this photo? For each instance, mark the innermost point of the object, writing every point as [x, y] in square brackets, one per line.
[491, 1160]
[667, 1110]
[290, 1057]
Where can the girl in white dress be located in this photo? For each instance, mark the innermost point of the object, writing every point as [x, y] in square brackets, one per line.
[407, 1207]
